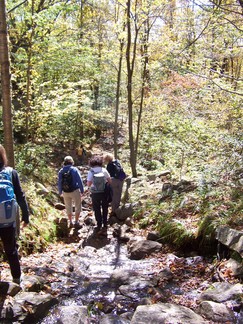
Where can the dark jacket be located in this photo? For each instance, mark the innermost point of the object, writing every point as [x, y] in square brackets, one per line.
[112, 169]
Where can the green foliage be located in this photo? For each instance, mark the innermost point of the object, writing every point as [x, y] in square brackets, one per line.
[42, 229]
[172, 232]
[33, 161]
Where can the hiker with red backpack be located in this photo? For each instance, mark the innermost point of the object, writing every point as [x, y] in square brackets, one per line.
[70, 187]
[11, 196]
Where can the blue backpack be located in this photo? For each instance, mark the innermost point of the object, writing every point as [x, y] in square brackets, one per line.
[8, 204]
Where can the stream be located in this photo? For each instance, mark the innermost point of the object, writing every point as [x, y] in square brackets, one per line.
[95, 271]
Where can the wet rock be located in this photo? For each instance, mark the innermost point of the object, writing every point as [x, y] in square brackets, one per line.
[113, 319]
[121, 277]
[223, 291]
[27, 307]
[231, 238]
[73, 314]
[32, 283]
[165, 275]
[217, 312]
[165, 313]
[137, 288]
[140, 249]
[9, 288]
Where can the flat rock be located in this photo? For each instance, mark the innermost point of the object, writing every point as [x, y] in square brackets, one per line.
[140, 249]
[222, 291]
[217, 312]
[165, 313]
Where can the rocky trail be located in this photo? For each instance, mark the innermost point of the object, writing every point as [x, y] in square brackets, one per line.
[123, 275]
[118, 276]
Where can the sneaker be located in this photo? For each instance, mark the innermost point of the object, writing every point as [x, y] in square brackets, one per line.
[17, 280]
[97, 229]
[77, 225]
[70, 224]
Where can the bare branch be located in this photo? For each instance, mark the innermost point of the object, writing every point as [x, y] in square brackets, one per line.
[17, 6]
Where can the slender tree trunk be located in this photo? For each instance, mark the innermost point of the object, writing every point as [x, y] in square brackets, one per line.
[118, 86]
[6, 85]
[117, 100]
[29, 77]
[145, 79]
[130, 67]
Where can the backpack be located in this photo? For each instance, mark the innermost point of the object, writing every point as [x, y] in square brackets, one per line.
[67, 181]
[119, 172]
[99, 182]
[108, 192]
[8, 204]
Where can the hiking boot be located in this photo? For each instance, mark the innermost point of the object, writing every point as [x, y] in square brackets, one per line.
[70, 224]
[97, 229]
[17, 280]
[77, 225]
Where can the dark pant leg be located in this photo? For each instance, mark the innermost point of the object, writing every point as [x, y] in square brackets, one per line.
[105, 205]
[9, 244]
[96, 202]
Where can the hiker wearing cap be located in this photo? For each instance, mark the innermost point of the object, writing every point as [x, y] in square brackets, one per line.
[70, 187]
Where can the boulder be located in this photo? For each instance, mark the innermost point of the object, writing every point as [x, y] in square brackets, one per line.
[140, 249]
[9, 288]
[27, 307]
[165, 313]
[223, 291]
[217, 312]
[32, 283]
[231, 238]
[73, 314]
[235, 267]
[125, 211]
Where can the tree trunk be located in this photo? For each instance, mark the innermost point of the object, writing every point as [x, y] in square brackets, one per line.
[6, 85]
[118, 86]
[130, 68]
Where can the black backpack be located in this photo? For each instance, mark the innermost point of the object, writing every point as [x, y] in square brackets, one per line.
[119, 172]
[67, 181]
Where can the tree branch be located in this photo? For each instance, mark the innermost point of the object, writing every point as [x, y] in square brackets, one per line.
[18, 5]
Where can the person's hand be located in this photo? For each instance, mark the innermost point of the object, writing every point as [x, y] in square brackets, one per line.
[23, 224]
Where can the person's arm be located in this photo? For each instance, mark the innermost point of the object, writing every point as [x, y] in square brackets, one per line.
[89, 179]
[79, 180]
[20, 197]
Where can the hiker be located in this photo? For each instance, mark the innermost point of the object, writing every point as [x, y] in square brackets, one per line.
[70, 187]
[117, 179]
[8, 231]
[81, 153]
[96, 181]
